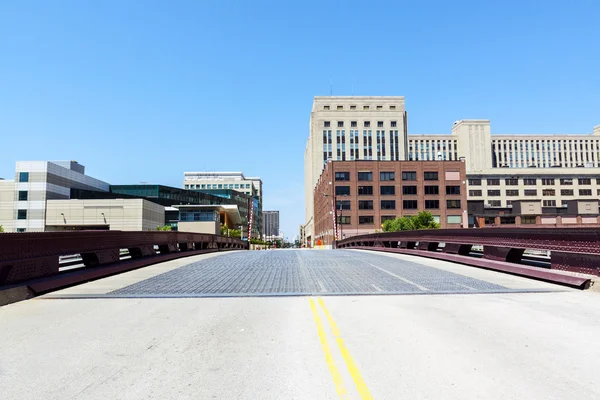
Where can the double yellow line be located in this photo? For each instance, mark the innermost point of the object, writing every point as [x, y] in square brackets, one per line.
[361, 387]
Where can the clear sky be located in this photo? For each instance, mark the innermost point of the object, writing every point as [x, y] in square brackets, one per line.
[145, 90]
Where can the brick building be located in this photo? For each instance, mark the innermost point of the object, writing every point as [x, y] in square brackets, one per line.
[367, 193]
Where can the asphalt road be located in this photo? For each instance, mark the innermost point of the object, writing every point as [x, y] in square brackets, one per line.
[304, 325]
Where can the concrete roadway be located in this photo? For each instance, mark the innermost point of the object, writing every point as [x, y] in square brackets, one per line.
[499, 337]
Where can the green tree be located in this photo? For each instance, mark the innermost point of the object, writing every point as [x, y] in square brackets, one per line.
[1, 228]
[423, 220]
[163, 228]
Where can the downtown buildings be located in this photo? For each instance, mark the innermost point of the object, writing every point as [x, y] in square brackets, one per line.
[501, 170]
[271, 225]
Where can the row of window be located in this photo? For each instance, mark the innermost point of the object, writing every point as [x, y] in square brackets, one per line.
[353, 107]
[391, 204]
[545, 203]
[388, 176]
[391, 190]
[533, 192]
[370, 220]
[532, 181]
[219, 186]
[354, 124]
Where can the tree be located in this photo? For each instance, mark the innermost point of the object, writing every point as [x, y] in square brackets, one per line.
[163, 228]
[423, 220]
[1, 228]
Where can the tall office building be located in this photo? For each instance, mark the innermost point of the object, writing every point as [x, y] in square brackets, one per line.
[270, 224]
[347, 128]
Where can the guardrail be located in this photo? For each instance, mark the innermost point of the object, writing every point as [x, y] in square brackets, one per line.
[31, 256]
[571, 249]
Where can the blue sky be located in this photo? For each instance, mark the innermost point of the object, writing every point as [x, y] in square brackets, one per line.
[143, 91]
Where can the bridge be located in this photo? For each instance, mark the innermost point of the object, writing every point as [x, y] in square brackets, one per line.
[420, 315]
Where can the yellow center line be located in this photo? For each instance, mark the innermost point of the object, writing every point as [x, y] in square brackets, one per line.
[333, 370]
[361, 386]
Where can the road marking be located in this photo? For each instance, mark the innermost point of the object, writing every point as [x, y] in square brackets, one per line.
[376, 287]
[333, 370]
[465, 286]
[361, 386]
[399, 277]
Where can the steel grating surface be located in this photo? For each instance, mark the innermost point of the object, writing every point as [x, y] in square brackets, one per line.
[303, 272]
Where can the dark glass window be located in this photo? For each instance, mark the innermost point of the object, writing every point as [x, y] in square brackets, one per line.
[365, 176]
[327, 124]
[430, 176]
[342, 190]
[452, 189]
[409, 190]
[432, 204]
[388, 204]
[494, 203]
[511, 182]
[548, 192]
[387, 218]
[342, 176]
[23, 176]
[343, 204]
[387, 176]
[432, 190]
[493, 193]
[548, 181]
[22, 214]
[566, 192]
[493, 182]
[365, 190]
[585, 192]
[530, 181]
[475, 182]
[365, 219]
[409, 176]
[22, 195]
[452, 203]
[353, 124]
[409, 204]
[367, 124]
[380, 124]
[344, 220]
[528, 219]
[566, 181]
[393, 123]
[507, 220]
[340, 124]
[512, 192]
[365, 204]
[549, 203]
[387, 190]
[530, 192]
[475, 193]
[585, 181]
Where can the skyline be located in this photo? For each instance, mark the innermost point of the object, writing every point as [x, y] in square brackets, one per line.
[143, 92]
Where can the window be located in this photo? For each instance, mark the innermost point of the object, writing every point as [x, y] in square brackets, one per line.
[392, 107]
[388, 204]
[549, 203]
[365, 204]
[507, 220]
[494, 193]
[429, 204]
[430, 176]
[475, 182]
[365, 219]
[475, 193]
[353, 124]
[386, 176]
[409, 204]
[21, 230]
[220, 186]
[393, 123]
[566, 181]
[530, 182]
[584, 181]
[566, 192]
[344, 220]
[326, 107]
[548, 181]
[452, 189]
[530, 192]
[494, 203]
[528, 219]
[380, 124]
[340, 107]
[367, 124]
[365, 107]
[22, 214]
[387, 190]
[237, 186]
[353, 107]
[340, 124]
[548, 192]
[511, 182]
[327, 124]
[453, 219]
[342, 204]
[365, 190]
[22, 195]
[409, 176]
[432, 190]
[23, 176]
[247, 186]
[187, 186]
[342, 176]
[387, 218]
[365, 176]
[493, 182]
[409, 190]
[585, 192]
[512, 192]
[342, 190]
[452, 203]
[380, 107]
